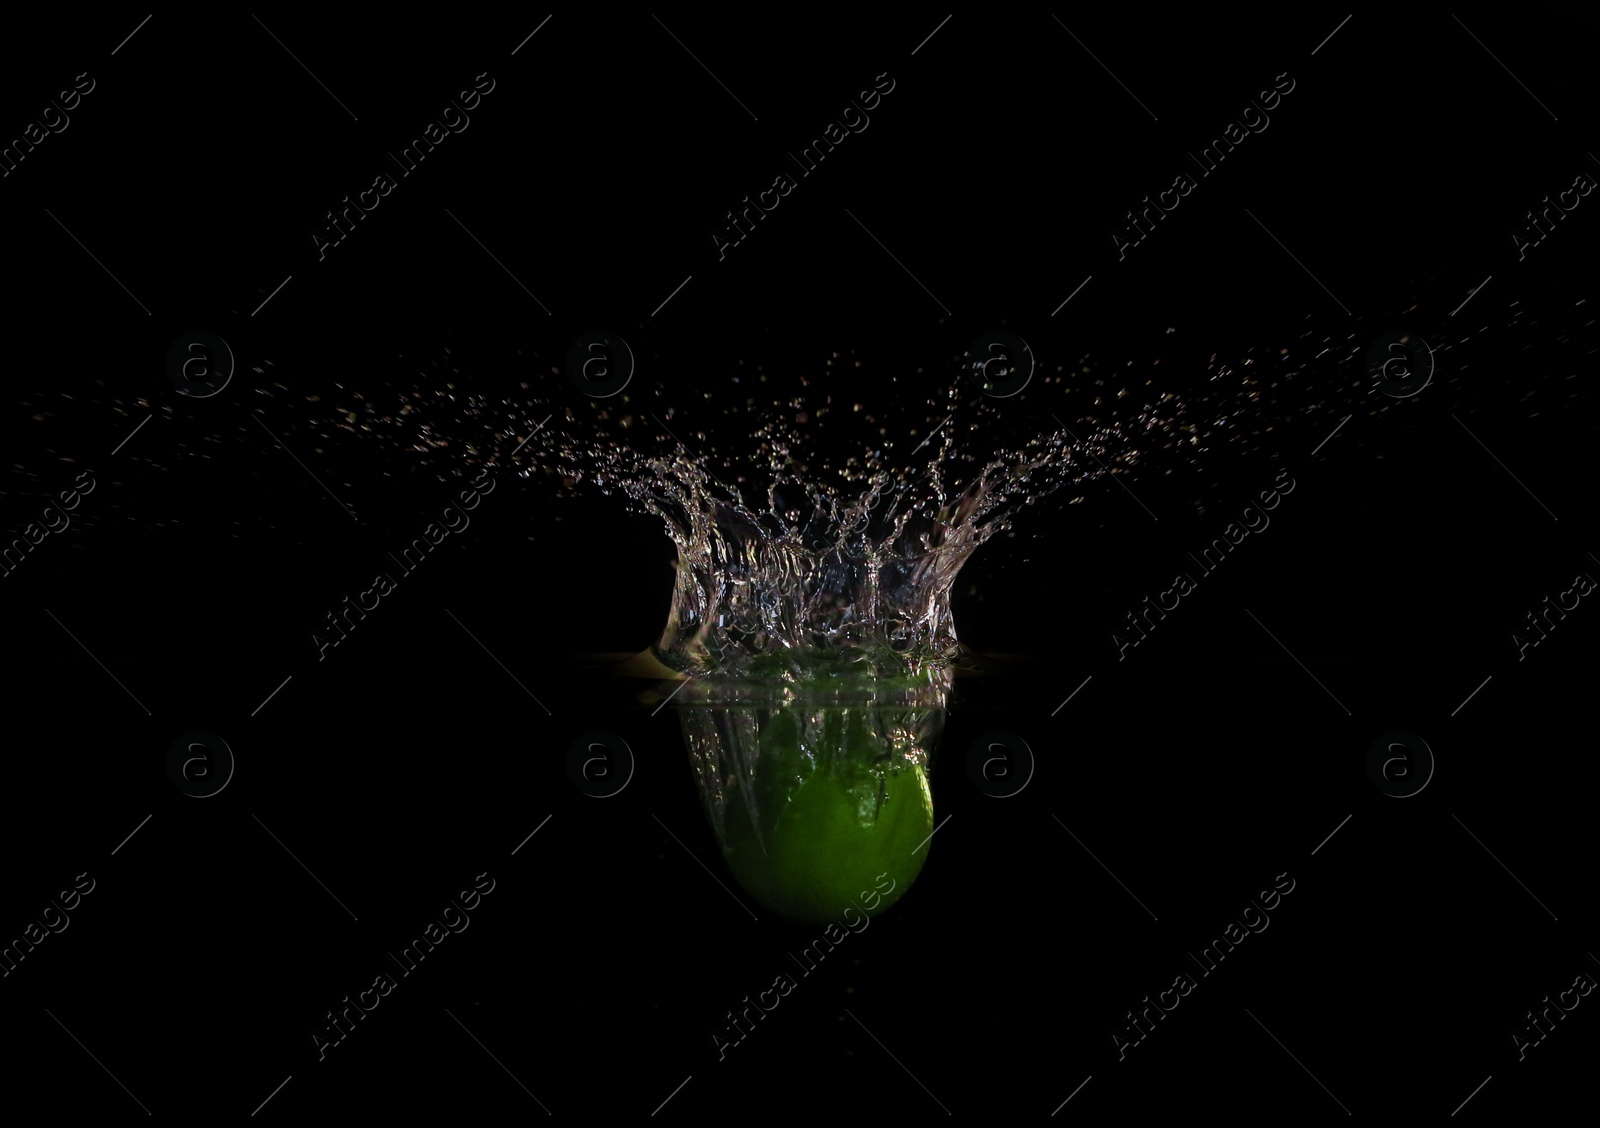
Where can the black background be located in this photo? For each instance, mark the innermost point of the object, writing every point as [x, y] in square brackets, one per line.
[1196, 769]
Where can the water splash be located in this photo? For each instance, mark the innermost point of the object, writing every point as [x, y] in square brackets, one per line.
[819, 536]
[826, 575]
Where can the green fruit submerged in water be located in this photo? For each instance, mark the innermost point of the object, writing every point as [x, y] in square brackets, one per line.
[835, 813]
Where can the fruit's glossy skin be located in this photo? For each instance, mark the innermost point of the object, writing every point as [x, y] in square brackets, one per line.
[834, 815]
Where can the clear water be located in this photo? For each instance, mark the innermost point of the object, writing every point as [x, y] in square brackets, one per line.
[821, 536]
[800, 569]
[819, 533]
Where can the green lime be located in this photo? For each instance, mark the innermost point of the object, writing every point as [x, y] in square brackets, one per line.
[833, 820]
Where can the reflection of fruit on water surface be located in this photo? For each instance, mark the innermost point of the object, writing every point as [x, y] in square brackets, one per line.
[834, 811]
